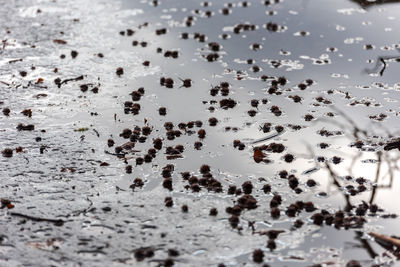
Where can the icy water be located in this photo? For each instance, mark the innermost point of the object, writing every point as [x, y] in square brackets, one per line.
[188, 133]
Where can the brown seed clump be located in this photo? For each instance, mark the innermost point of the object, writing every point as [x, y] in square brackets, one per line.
[168, 202]
[74, 54]
[162, 111]
[6, 111]
[258, 255]
[247, 187]
[213, 212]
[275, 213]
[227, 103]
[185, 208]
[213, 121]
[7, 153]
[27, 112]
[276, 111]
[161, 31]
[187, 83]
[23, 127]
[119, 71]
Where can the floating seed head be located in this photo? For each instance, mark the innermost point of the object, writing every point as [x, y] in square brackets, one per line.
[119, 71]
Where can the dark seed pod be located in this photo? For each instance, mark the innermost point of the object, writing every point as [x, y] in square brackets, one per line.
[168, 202]
[247, 187]
[275, 213]
[258, 256]
[213, 212]
[119, 71]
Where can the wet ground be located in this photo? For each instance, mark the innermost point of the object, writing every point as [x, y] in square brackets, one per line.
[187, 133]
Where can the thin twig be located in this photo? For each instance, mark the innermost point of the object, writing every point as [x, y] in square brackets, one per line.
[57, 222]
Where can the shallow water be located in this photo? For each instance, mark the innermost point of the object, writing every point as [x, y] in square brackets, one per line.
[337, 44]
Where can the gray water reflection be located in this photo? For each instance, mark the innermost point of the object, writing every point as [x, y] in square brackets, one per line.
[349, 70]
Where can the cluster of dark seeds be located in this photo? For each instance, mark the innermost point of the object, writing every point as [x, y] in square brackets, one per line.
[325, 101]
[211, 57]
[137, 182]
[119, 71]
[206, 181]
[214, 46]
[246, 196]
[7, 152]
[199, 37]
[142, 44]
[167, 82]
[161, 31]
[93, 88]
[137, 94]
[273, 27]
[173, 53]
[6, 111]
[326, 133]
[244, 27]
[187, 83]
[25, 127]
[128, 32]
[238, 144]
[223, 88]
[227, 103]
[130, 107]
[276, 111]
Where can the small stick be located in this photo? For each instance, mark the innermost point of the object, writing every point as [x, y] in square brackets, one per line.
[14, 60]
[57, 222]
[385, 238]
[5, 83]
[267, 138]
